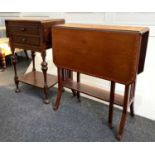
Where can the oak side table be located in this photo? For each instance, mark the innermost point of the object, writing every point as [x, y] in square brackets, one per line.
[34, 35]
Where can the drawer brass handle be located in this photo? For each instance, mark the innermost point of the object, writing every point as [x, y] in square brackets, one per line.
[23, 39]
[23, 29]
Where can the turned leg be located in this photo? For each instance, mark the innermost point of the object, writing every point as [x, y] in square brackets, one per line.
[60, 88]
[3, 60]
[124, 113]
[27, 57]
[15, 70]
[112, 96]
[132, 95]
[44, 70]
[78, 80]
[33, 60]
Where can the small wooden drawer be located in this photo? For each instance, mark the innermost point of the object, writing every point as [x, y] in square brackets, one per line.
[27, 30]
[31, 34]
[35, 41]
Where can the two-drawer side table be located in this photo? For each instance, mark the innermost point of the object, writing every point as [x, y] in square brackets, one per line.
[34, 35]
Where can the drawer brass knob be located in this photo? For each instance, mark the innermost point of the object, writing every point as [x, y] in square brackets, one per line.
[23, 29]
[23, 39]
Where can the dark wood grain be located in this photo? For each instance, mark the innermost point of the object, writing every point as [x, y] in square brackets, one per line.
[93, 91]
[34, 35]
[114, 53]
[143, 49]
[111, 101]
[35, 78]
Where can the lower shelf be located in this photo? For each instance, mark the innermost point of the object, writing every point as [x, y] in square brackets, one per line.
[93, 91]
[35, 78]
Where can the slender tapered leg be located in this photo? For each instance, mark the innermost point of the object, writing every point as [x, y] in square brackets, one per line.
[112, 97]
[15, 70]
[124, 113]
[132, 109]
[78, 80]
[44, 70]
[63, 77]
[33, 60]
[27, 57]
[133, 95]
[70, 73]
[60, 88]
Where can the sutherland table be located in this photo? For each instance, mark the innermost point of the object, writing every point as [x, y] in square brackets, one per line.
[34, 35]
[114, 53]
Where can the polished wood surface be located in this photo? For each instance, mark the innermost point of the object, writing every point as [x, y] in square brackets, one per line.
[143, 49]
[110, 28]
[35, 78]
[93, 91]
[114, 53]
[112, 101]
[34, 35]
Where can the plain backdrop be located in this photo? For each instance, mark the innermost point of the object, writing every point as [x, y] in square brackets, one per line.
[80, 6]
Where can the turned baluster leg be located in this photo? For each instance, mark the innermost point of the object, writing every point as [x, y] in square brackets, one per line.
[124, 113]
[112, 97]
[44, 70]
[15, 70]
[33, 60]
[60, 89]
[78, 80]
[132, 104]
[3, 61]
